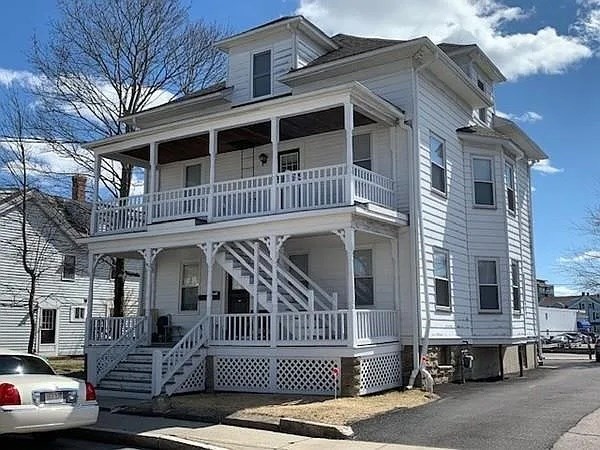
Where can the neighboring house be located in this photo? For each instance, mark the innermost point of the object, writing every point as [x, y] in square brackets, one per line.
[312, 221]
[545, 289]
[54, 227]
[589, 303]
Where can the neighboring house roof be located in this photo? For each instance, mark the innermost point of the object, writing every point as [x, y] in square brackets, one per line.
[71, 216]
[216, 87]
[569, 301]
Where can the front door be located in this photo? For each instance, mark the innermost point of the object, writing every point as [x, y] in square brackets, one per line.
[238, 298]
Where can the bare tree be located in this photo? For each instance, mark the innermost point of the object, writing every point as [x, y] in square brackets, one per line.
[583, 265]
[105, 59]
[33, 251]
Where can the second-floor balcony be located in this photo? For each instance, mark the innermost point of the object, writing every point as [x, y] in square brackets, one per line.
[299, 190]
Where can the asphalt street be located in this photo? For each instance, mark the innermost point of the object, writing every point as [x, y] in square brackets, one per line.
[27, 443]
[520, 413]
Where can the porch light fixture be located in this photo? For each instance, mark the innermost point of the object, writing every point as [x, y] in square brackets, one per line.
[263, 158]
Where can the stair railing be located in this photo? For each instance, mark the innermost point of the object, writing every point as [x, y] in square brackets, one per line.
[329, 302]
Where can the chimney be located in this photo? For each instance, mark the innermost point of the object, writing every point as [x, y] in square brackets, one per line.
[78, 183]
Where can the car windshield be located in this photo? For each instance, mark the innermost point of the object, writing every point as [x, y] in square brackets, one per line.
[23, 365]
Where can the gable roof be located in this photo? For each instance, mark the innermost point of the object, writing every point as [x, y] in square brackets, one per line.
[569, 301]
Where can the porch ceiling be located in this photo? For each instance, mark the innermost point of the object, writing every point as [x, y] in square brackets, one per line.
[248, 136]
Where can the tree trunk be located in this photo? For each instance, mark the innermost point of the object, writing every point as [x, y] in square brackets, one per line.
[119, 286]
[32, 321]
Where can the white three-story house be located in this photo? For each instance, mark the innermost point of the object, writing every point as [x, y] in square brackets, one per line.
[338, 211]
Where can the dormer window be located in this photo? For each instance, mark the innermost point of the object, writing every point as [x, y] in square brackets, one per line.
[261, 74]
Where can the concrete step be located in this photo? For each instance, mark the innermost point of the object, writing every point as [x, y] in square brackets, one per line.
[103, 393]
[125, 375]
[128, 386]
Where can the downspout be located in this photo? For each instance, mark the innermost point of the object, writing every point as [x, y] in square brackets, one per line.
[534, 282]
[418, 232]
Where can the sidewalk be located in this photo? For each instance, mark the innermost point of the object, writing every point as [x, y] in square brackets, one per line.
[162, 433]
[583, 436]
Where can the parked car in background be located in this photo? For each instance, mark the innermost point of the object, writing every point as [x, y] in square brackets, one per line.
[33, 399]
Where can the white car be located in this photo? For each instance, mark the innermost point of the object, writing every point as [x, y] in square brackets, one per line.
[33, 399]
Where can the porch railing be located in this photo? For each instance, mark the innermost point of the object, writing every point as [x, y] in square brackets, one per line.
[298, 190]
[231, 329]
[106, 330]
[375, 326]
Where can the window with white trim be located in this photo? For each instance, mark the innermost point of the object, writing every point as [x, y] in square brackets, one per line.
[261, 74]
[509, 182]
[190, 281]
[48, 326]
[361, 146]
[363, 277]
[482, 112]
[489, 298]
[516, 285]
[483, 181]
[77, 313]
[193, 175]
[437, 153]
[441, 273]
[68, 272]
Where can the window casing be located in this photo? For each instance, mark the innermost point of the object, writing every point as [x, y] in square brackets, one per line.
[48, 326]
[190, 281]
[363, 277]
[69, 262]
[489, 295]
[437, 153]
[193, 175]
[509, 182]
[261, 74]
[361, 146]
[441, 273]
[289, 160]
[483, 181]
[77, 313]
[516, 285]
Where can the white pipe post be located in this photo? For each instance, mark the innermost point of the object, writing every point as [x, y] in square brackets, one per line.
[90, 299]
[212, 151]
[152, 182]
[148, 291]
[274, 161]
[349, 129]
[349, 243]
[209, 275]
[97, 167]
[274, 254]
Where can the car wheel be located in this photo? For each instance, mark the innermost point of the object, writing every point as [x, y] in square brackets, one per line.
[47, 436]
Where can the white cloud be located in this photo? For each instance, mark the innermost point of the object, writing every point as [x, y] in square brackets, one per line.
[589, 255]
[546, 167]
[588, 22]
[564, 291]
[527, 116]
[543, 51]
[17, 77]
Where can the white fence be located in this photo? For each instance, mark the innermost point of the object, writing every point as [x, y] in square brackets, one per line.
[321, 187]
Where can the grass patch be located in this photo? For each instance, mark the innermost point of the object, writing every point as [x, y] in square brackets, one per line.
[72, 366]
[341, 411]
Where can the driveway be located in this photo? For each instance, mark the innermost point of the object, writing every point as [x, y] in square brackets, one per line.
[521, 413]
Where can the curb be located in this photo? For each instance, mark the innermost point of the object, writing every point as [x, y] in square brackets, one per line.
[315, 429]
[150, 441]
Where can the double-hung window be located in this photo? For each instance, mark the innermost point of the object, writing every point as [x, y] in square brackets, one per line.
[509, 182]
[261, 74]
[441, 273]
[190, 280]
[437, 152]
[483, 181]
[69, 262]
[363, 277]
[482, 112]
[489, 298]
[516, 291]
[361, 146]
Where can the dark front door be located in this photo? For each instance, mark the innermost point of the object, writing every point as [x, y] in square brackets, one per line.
[238, 299]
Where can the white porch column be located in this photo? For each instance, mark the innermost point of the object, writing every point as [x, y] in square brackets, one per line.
[274, 161]
[92, 263]
[348, 239]
[349, 129]
[152, 181]
[97, 168]
[212, 151]
[394, 246]
[149, 255]
[210, 259]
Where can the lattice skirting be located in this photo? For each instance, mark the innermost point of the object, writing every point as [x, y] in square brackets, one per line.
[271, 374]
[380, 372]
[195, 381]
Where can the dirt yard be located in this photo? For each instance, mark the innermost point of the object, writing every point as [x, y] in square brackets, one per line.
[341, 411]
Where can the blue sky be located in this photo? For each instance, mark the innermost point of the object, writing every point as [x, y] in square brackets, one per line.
[546, 48]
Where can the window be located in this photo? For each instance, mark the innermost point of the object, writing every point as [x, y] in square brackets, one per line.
[361, 146]
[68, 267]
[77, 313]
[193, 175]
[441, 273]
[261, 74]
[289, 160]
[516, 292]
[301, 262]
[190, 281]
[363, 277]
[437, 152]
[482, 112]
[509, 182]
[481, 85]
[48, 326]
[488, 285]
[483, 178]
